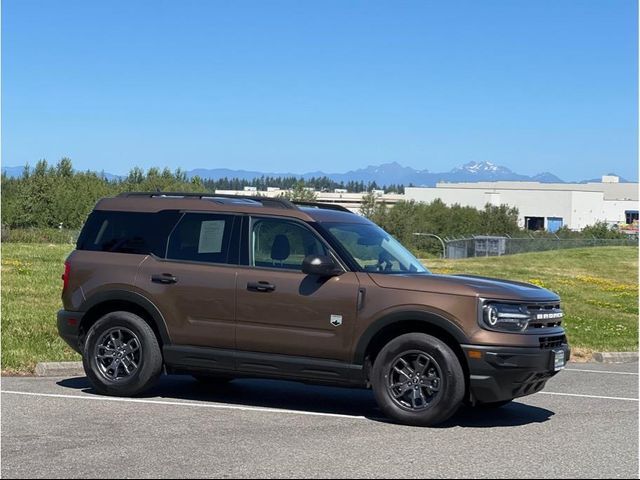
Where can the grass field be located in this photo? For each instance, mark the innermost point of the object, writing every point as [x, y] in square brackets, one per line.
[31, 288]
[599, 288]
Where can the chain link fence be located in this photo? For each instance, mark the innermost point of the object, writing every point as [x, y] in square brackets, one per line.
[490, 246]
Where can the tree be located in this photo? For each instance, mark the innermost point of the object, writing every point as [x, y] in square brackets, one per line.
[299, 193]
[368, 205]
[64, 168]
[499, 220]
[602, 230]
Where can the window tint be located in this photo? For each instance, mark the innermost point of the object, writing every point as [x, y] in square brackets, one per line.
[283, 244]
[203, 237]
[128, 232]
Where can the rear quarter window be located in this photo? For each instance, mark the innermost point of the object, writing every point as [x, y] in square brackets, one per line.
[128, 232]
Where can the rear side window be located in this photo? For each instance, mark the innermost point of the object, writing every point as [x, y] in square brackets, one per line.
[203, 237]
[128, 232]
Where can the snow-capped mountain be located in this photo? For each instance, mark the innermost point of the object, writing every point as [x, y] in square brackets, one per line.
[395, 173]
[481, 167]
[384, 174]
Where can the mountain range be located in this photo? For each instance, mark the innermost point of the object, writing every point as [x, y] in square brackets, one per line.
[385, 174]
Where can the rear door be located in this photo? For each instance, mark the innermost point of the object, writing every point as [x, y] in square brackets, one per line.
[281, 310]
[195, 285]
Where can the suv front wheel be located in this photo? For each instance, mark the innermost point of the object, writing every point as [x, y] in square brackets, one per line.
[417, 380]
[121, 355]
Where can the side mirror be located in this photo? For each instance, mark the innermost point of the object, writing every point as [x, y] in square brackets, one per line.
[320, 265]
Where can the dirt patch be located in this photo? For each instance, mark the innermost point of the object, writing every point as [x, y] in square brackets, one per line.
[581, 355]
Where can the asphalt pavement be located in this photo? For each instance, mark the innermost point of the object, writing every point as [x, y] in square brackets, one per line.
[585, 424]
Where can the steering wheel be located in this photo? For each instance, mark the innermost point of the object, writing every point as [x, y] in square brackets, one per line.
[385, 262]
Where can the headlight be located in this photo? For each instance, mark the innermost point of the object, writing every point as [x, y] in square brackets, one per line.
[506, 317]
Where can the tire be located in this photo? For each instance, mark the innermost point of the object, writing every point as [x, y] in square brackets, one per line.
[205, 379]
[101, 351]
[440, 390]
[493, 405]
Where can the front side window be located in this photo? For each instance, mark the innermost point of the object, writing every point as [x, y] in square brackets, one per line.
[202, 237]
[283, 244]
[373, 249]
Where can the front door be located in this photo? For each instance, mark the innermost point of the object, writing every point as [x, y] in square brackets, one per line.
[281, 310]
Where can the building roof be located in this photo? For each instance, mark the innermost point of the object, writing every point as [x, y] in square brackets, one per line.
[611, 191]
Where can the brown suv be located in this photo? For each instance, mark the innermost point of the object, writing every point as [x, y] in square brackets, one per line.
[225, 287]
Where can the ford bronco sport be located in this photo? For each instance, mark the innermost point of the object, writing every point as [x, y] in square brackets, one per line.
[224, 287]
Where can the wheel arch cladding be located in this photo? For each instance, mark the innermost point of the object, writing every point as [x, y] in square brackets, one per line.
[392, 326]
[121, 300]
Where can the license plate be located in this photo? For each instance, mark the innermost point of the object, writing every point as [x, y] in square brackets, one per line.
[559, 360]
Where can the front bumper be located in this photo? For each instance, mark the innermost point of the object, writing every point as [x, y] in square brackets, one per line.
[504, 373]
[69, 328]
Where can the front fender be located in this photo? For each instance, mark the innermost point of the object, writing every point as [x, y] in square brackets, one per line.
[428, 318]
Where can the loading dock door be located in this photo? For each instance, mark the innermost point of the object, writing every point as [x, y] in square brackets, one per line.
[554, 224]
[534, 223]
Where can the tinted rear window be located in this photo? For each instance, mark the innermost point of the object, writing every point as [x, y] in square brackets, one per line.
[203, 237]
[128, 232]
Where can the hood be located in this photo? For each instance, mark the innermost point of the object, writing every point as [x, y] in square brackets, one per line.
[467, 285]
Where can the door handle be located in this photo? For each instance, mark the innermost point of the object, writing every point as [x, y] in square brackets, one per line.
[260, 287]
[165, 278]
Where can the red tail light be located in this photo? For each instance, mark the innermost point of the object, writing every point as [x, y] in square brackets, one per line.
[65, 276]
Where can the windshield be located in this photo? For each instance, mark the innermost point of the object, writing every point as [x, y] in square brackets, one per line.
[374, 249]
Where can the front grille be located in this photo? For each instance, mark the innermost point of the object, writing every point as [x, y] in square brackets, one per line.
[544, 323]
[554, 341]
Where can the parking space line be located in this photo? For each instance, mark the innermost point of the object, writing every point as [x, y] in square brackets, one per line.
[184, 404]
[589, 396]
[257, 409]
[599, 371]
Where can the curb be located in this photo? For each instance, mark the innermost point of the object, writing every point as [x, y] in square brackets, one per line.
[615, 357]
[75, 369]
[60, 369]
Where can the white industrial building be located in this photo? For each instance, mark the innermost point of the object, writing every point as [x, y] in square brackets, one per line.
[540, 206]
[352, 201]
[544, 205]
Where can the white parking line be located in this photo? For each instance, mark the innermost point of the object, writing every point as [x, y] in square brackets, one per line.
[256, 409]
[184, 404]
[599, 371]
[589, 396]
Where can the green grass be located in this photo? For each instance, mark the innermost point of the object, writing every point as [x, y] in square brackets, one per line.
[31, 288]
[599, 288]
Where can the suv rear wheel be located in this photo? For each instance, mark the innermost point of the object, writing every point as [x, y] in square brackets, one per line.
[417, 380]
[121, 355]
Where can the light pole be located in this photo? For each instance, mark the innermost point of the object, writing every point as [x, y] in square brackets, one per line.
[444, 248]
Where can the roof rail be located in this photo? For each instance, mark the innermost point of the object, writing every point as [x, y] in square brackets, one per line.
[274, 202]
[328, 206]
[265, 201]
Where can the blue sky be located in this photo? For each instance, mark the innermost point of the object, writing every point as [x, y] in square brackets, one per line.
[334, 85]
